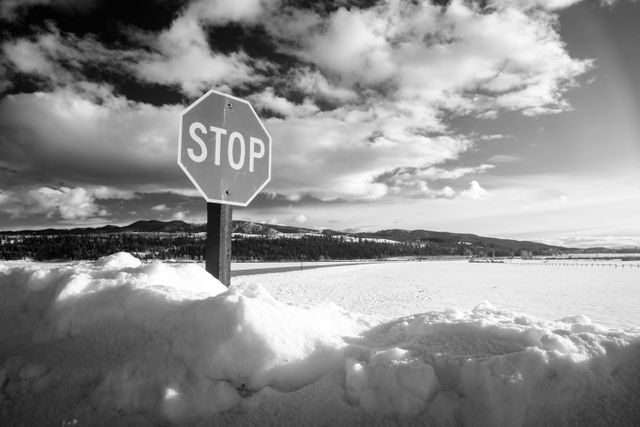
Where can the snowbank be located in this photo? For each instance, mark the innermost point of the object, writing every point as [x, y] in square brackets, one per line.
[118, 342]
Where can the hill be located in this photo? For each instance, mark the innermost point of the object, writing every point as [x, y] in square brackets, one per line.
[152, 239]
[462, 239]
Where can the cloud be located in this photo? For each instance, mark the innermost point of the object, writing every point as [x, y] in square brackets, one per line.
[160, 208]
[179, 55]
[407, 65]
[607, 241]
[183, 57]
[436, 173]
[494, 137]
[532, 4]
[66, 203]
[420, 189]
[505, 158]
[88, 137]
[611, 2]
[498, 54]
[222, 11]
[105, 193]
[58, 59]
[475, 192]
[300, 219]
[27, 57]
[339, 154]
[458, 57]
[354, 45]
[179, 216]
[312, 82]
[72, 203]
[268, 100]
[415, 182]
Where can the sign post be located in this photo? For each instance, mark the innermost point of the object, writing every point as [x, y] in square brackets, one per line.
[218, 243]
[225, 150]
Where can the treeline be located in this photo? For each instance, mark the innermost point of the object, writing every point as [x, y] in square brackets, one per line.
[165, 246]
[314, 248]
[88, 247]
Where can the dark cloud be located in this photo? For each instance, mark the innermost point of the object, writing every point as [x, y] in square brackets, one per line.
[108, 20]
[63, 136]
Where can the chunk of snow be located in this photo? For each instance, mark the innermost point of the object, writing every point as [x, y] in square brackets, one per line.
[118, 261]
[119, 342]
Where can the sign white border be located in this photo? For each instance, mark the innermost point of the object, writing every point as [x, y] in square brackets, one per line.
[184, 169]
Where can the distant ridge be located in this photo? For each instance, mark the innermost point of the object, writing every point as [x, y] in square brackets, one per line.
[445, 239]
[455, 238]
[155, 226]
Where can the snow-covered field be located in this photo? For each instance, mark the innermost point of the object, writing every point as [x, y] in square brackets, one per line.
[605, 292]
[118, 342]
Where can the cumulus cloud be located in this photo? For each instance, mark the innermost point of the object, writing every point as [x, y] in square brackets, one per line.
[300, 219]
[180, 55]
[418, 182]
[443, 57]
[475, 192]
[27, 57]
[160, 208]
[531, 4]
[90, 136]
[408, 63]
[312, 82]
[183, 57]
[58, 59]
[407, 184]
[339, 154]
[420, 189]
[67, 203]
[72, 203]
[435, 173]
[505, 158]
[353, 45]
[612, 2]
[268, 100]
[179, 216]
[221, 11]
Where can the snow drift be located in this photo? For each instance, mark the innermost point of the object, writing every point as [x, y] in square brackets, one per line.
[118, 342]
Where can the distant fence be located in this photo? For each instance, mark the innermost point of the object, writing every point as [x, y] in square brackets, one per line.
[593, 264]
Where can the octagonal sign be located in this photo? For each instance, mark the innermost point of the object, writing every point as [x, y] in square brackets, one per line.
[224, 149]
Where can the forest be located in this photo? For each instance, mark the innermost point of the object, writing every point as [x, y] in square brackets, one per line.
[191, 246]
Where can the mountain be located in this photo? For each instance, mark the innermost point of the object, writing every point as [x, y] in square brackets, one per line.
[454, 241]
[246, 227]
[450, 239]
[154, 226]
[152, 239]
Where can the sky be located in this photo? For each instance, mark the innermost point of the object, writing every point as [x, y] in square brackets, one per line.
[504, 118]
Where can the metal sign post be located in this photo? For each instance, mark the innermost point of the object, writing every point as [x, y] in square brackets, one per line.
[225, 150]
[218, 243]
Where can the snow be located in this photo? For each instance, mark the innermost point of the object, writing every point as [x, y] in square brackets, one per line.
[120, 342]
[242, 267]
[607, 294]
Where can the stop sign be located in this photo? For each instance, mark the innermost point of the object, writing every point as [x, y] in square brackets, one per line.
[224, 149]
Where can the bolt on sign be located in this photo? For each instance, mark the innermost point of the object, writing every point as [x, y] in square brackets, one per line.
[224, 149]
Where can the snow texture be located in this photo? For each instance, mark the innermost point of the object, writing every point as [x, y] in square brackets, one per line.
[119, 342]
